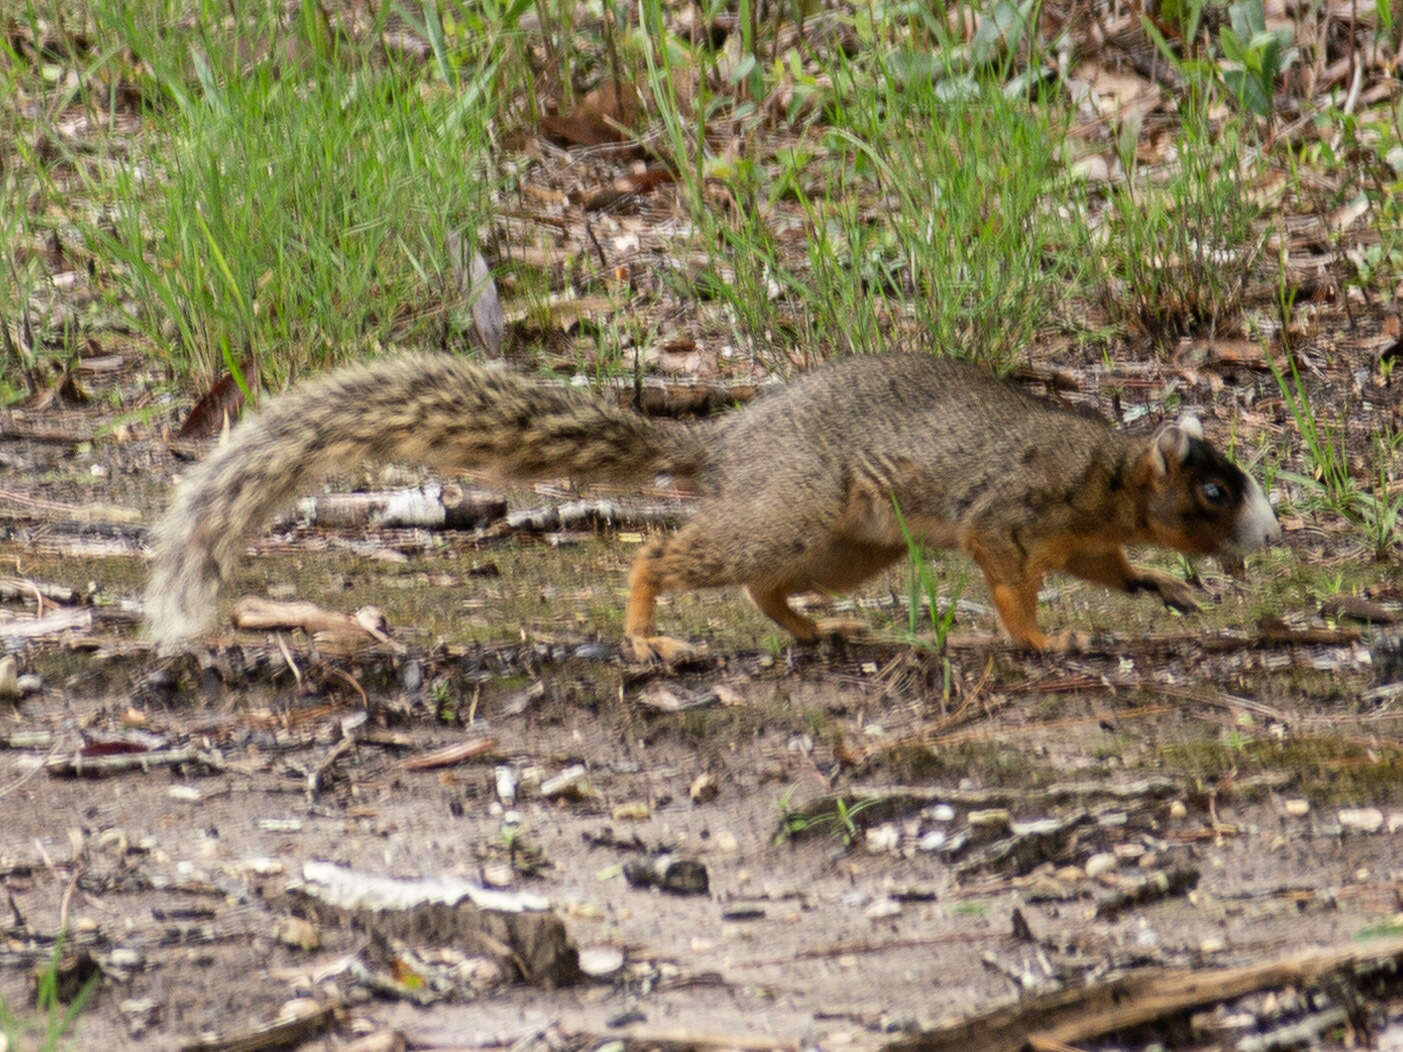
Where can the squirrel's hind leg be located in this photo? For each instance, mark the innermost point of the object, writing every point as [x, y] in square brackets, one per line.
[707, 554]
[652, 574]
[773, 602]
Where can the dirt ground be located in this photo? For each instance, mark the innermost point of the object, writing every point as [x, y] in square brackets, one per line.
[892, 838]
[1185, 834]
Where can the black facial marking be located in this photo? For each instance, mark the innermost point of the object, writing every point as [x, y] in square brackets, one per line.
[1205, 463]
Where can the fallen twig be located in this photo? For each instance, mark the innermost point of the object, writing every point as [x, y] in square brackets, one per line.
[449, 755]
[79, 766]
[1070, 1017]
[51, 509]
[287, 1031]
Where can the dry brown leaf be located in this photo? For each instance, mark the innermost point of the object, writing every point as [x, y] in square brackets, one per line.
[603, 116]
[255, 612]
[450, 755]
[220, 404]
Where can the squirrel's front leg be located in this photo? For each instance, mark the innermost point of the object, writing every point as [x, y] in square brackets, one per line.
[1114, 570]
[1013, 585]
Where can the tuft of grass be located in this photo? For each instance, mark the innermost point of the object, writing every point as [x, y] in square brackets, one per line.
[295, 190]
[1377, 512]
[55, 1020]
[1330, 770]
[840, 822]
[1324, 441]
[923, 594]
[921, 183]
[1181, 242]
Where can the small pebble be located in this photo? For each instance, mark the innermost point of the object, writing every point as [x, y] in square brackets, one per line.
[599, 962]
[573, 781]
[498, 875]
[932, 841]
[881, 909]
[993, 816]
[505, 781]
[1099, 865]
[1364, 819]
[883, 838]
[703, 789]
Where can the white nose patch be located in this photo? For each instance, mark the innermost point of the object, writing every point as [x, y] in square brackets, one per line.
[1256, 522]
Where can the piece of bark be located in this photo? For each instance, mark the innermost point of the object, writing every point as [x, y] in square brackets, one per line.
[342, 632]
[646, 1039]
[516, 928]
[79, 766]
[449, 755]
[64, 619]
[221, 405]
[606, 115]
[473, 279]
[1357, 608]
[24, 588]
[289, 1030]
[257, 614]
[433, 507]
[52, 510]
[1080, 1015]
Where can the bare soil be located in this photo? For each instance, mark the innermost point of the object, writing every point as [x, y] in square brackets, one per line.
[1235, 760]
[894, 835]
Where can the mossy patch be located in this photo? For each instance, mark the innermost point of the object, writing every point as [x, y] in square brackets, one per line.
[987, 763]
[1328, 768]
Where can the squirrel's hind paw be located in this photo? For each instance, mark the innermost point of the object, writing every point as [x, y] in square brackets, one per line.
[661, 648]
[845, 627]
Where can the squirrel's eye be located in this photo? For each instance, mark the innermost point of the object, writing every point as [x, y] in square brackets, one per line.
[1213, 493]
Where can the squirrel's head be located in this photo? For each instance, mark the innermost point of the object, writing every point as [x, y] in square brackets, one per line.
[1198, 501]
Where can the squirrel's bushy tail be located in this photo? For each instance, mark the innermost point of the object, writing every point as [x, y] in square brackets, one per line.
[434, 410]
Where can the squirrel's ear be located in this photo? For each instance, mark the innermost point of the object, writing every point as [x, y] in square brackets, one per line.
[1171, 445]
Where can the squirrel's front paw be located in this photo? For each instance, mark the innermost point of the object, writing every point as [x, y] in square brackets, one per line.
[1177, 595]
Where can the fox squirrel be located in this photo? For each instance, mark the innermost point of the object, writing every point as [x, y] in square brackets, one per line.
[799, 490]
